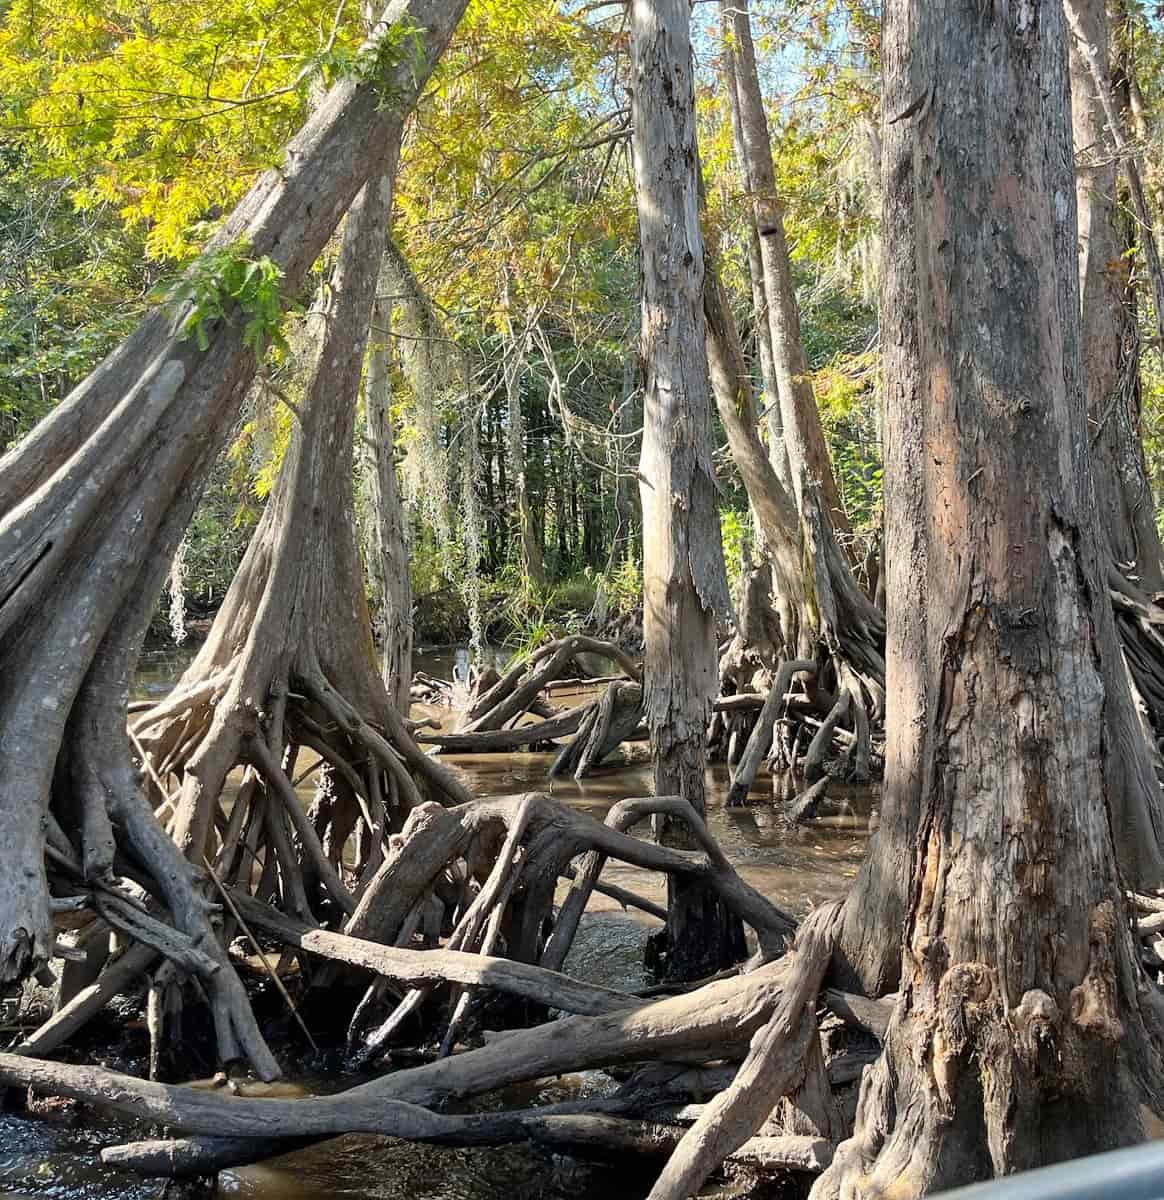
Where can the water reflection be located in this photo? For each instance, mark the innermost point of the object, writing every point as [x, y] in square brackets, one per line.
[382, 1169]
[796, 866]
[59, 1156]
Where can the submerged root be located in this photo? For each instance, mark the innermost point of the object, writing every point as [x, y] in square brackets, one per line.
[659, 1111]
[712, 1022]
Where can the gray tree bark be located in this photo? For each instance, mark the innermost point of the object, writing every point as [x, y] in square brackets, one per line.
[1019, 1038]
[777, 451]
[684, 584]
[94, 501]
[808, 456]
[387, 542]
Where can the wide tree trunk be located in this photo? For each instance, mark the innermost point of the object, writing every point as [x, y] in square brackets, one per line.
[94, 501]
[386, 551]
[1110, 340]
[1020, 1038]
[684, 584]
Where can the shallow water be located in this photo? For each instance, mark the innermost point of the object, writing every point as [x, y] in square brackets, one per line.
[55, 1155]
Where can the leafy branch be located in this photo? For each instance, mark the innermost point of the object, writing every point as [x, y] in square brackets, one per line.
[227, 279]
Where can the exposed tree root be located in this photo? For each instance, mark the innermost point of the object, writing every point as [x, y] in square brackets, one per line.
[711, 1022]
[92, 505]
[497, 702]
[774, 1006]
[615, 718]
[760, 739]
[485, 742]
[538, 839]
[289, 667]
[775, 1062]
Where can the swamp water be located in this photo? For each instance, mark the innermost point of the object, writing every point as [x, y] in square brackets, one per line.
[55, 1154]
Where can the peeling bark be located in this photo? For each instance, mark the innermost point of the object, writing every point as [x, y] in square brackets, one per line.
[1022, 1032]
[684, 585]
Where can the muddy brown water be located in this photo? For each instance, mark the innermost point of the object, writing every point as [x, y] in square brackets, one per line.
[56, 1154]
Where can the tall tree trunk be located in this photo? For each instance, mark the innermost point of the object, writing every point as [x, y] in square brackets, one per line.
[777, 450]
[811, 470]
[387, 550]
[684, 585]
[577, 529]
[1019, 1038]
[532, 561]
[1109, 344]
[99, 494]
[624, 424]
[562, 504]
[494, 483]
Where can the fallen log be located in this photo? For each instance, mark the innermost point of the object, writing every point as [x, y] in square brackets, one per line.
[1148, 904]
[605, 1137]
[523, 683]
[489, 741]
[567, 685]
[776, 1056]
[710, 1022]
[647, 1092]
[180, 1158]
[429, 968]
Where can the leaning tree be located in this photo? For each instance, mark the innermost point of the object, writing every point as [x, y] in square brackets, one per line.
[823, 613]
[289, 662]
[94, 501]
